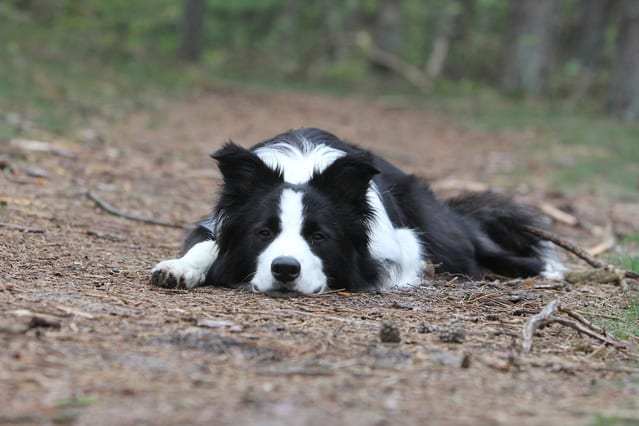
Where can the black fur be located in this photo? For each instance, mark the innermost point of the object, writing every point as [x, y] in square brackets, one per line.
[469, 235]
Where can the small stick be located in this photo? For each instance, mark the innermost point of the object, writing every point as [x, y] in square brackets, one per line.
[537, 321]
[606, 244]
[558, 215]
[580, 328]
[21, 228]
[567, 245]
[582, 319]
[112, 210]
[582, 325]
[577, 251]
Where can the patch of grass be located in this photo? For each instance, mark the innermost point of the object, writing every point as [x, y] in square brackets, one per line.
[628, 323]
[614, 421]
[78, 401]
[630, 239]
[53, 80]
[578, 151]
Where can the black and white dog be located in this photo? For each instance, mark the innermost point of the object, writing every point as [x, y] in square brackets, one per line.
[305, 212]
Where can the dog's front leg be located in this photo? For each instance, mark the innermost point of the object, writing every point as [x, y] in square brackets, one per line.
[189, 270]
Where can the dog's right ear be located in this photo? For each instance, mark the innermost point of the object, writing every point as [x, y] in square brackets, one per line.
[243, 171]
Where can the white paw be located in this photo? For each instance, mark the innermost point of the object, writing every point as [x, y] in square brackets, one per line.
[177, 273]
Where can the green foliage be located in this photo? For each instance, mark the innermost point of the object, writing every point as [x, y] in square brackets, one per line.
[614, 421]
[59, 72]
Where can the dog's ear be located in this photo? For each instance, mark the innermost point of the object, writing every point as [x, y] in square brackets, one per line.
[243, 171]
[347, 179]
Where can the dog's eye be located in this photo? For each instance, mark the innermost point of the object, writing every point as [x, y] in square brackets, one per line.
[265, 233]
[317, 237]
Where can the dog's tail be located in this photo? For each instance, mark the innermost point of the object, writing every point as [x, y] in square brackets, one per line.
[504, 246]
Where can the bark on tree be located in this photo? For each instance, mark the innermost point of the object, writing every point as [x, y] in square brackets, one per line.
[623, 97]
[387, 28]
[592, 31]
[192, 29]
[530, 43]
[446, 27]
[586, 44]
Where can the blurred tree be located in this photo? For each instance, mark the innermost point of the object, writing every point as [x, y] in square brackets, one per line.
[387, 31]
[191, 33]
[591, 31]
[623, 96]
[461, 33]
[529, 46]
[441, 44]
[582, 45]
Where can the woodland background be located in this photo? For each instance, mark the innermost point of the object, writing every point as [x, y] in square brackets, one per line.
[569, 52]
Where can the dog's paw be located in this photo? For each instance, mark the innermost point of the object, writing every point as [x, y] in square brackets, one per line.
[176, 273]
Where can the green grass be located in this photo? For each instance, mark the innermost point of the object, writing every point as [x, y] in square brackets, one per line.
[614, 421]
[579, 151]
[627, 324]
[53, 80]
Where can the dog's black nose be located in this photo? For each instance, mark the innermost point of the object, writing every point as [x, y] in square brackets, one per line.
[285, 268]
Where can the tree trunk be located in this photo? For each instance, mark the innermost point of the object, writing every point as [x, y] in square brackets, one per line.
[592, 32]
[585, 42]
[387, 29]
[530, 44]
[446, 27]
[192, 29]
[623, 97]
[457, 67]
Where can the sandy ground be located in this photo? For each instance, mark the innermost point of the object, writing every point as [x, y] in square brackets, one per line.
[85, 339]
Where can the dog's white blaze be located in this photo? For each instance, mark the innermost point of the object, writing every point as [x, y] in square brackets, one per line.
[193, 266]
[290, 242]
[398, 249]
[298, 165]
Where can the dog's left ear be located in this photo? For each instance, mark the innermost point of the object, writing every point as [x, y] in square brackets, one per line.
[347, 179]
[243, 171]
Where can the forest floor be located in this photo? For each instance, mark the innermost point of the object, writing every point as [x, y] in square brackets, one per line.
[86, 340]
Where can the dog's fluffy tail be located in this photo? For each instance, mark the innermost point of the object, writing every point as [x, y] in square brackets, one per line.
[503, 246]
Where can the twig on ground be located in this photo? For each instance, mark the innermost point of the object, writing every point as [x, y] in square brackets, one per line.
[537, 321]
[580, 328]
[558, 215]
[21, 228]
[582, 319]
[548, 316]
[577, 251]
[112, 210]
[606, 243]
[566, 245]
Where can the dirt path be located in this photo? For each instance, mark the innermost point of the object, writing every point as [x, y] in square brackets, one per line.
[85, 339]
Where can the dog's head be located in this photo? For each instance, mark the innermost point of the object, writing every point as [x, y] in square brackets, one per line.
[282, 238]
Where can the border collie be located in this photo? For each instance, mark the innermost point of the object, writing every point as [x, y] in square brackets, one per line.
[305, 212]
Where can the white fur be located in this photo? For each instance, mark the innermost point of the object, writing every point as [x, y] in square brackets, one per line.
[298, 165]
[189, 270]
[398, 249]
[554, 269]
[290, 242]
